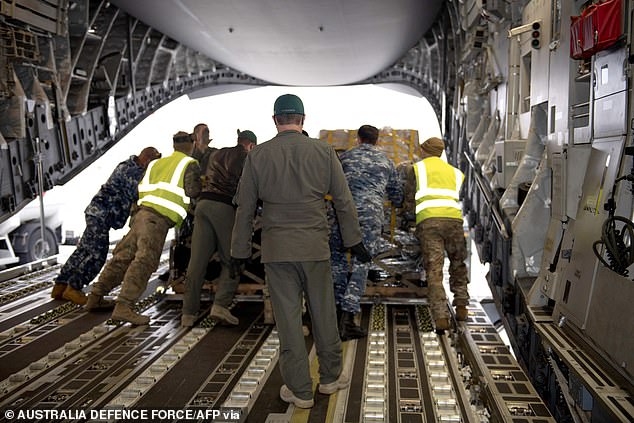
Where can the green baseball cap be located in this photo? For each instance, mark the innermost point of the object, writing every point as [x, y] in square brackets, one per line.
[247, 135]
[288, 104]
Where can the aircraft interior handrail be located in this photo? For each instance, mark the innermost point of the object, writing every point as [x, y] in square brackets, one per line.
[497, 217]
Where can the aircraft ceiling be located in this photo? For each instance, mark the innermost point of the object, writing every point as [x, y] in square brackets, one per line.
[294, 42]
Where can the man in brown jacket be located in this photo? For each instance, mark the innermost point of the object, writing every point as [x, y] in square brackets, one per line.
[213, 222]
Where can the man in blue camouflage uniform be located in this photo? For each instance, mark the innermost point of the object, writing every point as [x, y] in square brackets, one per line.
[110, 208]
[370, 175]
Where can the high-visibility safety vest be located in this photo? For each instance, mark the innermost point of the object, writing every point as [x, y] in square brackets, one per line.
[162, 187]
[437, 189]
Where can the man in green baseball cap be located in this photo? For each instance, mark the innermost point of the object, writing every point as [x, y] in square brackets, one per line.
[248, 136]
[288, 104]
[292, 174]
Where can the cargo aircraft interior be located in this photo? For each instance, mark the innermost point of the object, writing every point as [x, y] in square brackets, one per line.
[535, 104]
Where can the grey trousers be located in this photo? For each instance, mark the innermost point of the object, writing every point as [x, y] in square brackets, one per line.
[213, 223]
[287, 281]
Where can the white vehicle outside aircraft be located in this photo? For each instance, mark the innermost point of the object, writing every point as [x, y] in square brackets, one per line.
[21, 237]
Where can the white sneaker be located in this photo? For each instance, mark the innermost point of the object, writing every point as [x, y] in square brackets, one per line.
[331, 388]
[224, 315]
[288, 396]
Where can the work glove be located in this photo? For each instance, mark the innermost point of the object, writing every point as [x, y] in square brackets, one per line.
[236, 267]
[360, 253]
[408, 221]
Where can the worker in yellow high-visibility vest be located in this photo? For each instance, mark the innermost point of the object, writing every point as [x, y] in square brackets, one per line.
[164, 197]
[439, 228]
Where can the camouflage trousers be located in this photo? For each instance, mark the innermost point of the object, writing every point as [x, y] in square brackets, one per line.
[89, 257]
[135, 257]
[350, 278]
[438, 236]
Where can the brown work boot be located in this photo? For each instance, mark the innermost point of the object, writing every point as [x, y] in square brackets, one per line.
[178, 288]
[462, 313]
[442, 325]
[223, 314]
[74, 295]
[58, 291]
[125, 313]
[98, 303]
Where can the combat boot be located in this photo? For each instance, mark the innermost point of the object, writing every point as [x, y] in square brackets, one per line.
[125, 313]
[462, 313]
[178, 288]
[98, 303]
[348, 329]
[223, 314]
[442, 325]
[58, 291]
[74, 295]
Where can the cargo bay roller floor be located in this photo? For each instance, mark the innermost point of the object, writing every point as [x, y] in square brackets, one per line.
[56, 356]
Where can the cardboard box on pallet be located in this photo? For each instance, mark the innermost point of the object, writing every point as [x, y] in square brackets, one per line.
[400, 145]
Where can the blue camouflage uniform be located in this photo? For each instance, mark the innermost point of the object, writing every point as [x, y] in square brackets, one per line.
[370, 175]
[109, 208]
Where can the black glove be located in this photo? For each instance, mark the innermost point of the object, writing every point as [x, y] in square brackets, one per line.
[360, 253]
[236, 267]
[409, 216]
[408, 220]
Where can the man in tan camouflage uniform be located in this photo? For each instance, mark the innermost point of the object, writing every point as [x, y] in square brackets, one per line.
[434, 186]
[164, 196]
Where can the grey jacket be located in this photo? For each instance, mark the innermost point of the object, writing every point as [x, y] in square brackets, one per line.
[292, 174]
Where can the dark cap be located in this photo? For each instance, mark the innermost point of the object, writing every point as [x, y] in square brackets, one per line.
[434, 146]
[247, 135]
[182, 136]
[288, 104]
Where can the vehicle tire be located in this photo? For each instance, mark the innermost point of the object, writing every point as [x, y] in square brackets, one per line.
[28, 245]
